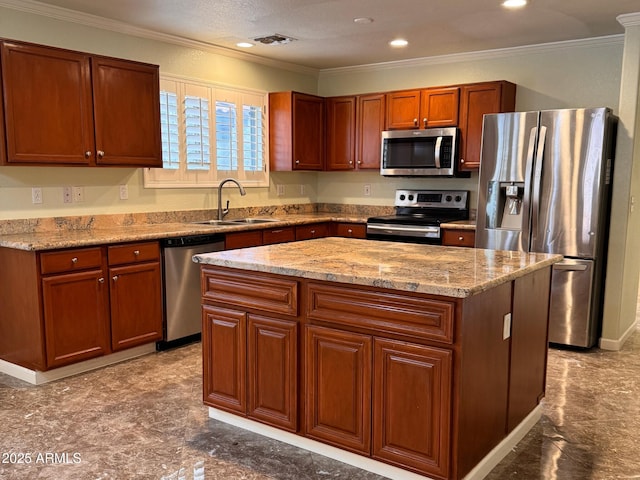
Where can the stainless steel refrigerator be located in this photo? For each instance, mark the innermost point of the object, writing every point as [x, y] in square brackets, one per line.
[544, 187]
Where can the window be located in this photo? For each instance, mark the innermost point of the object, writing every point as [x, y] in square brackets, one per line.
[209, 132]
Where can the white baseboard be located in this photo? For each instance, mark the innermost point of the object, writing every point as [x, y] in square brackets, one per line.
[37, 377]
[616, 344]
[479, 472]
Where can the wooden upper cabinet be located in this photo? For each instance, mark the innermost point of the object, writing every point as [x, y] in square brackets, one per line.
[341, 133]
[476, 101]
[428, 108]
[370, 118]
[127, 113]
[296, 131]
[3, 146]
[52, 97]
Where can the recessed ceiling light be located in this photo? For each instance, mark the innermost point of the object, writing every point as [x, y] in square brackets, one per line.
[514, 3]
[244, 44]
[363, 20]
[399, 42]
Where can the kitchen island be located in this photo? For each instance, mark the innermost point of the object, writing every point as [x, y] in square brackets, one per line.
[403, 359]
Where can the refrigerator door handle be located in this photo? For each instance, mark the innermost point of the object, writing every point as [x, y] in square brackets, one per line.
[437, 152]
[524, 238]
[537, 180]
[571, 267]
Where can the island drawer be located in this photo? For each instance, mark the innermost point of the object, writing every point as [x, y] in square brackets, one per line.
[70, 260]
[251, 290]
[133, 253]
[381, 312]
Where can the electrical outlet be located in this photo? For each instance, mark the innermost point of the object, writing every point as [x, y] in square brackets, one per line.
[124, 192]
[67, 195]
[280, 190]
[36, 195]
[367, 190]
[78, 194]
[506, 326]
[303, 189]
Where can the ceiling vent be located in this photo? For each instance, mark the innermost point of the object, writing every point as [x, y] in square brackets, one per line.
[275, 39]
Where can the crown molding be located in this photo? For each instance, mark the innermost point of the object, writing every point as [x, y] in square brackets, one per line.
[480, 55]
[629, 19]
[85, 19]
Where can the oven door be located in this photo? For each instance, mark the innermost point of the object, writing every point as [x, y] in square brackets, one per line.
[418, 152]
[426, 234]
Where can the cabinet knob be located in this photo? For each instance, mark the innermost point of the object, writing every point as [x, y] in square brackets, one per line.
[313, 232]
[462, 160]
[100, 153]
[359, 162]
[350, 162]
[136, 252]
[87, 154]
[297, 161]
[74, 260]
[415, 122]
[460, 238]
[424, 121]
[101, 280]
[115, 278]
[349, 231]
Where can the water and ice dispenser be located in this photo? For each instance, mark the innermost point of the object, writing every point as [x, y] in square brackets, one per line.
[506, 201]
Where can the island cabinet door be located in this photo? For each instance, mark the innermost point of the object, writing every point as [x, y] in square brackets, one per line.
[338, 388]
[272, 368]
[224, 356]
[412, 406]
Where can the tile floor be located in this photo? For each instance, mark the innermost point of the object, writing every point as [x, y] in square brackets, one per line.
[144, 419]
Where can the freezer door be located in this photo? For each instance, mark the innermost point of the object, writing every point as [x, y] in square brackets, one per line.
[569, 193]
[507, 151]
[571, 319]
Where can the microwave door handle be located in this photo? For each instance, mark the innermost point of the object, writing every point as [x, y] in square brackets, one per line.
[437, 152]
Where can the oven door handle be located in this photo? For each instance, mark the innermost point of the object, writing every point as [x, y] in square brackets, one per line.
[396, 228]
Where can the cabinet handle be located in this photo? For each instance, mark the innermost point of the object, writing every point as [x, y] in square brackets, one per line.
[101, 280]
[460, 238]
[115, 278]
[100, 154]
[74, 260]
[87, 154]
[313, 232]
[415, 122]
[424, 120]
[276, 231]
[136, 252]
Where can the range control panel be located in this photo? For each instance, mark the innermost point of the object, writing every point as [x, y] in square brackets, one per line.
[455, 199]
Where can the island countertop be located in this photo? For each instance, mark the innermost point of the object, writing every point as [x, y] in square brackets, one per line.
[431, 269]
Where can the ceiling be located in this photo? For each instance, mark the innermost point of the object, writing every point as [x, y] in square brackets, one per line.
[327, 37]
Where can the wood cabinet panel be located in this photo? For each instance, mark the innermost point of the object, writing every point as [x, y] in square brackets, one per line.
[278, 235]
[439, 107]
[70, 260]
[370, 117]
[338, 388]
[133, 253]
[3, 144]
[403, 110]
[258, 290]
[272, 370]
[341, 133]
[76, 316]
[251, 238]
[458, 237]
[127, 113]
[350, 230]
[412, 406]
[52, 125]
[224, 358]
[382, 312]
[315, 230]
[136, 304]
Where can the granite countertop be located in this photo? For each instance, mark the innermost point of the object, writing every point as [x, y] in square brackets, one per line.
[460, 225]
[437, 270]
[80, 237]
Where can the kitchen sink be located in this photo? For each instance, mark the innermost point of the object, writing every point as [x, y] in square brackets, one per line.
[255, 220]
[216, 222]
[237, 221]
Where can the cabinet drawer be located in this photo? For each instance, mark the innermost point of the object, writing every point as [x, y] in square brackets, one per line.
[352, 230]
[316, 230]
[70, 260]
[251, 238]
[382, 312]
[251, 290]
[458, 238]
[278, 235]
[133, 253]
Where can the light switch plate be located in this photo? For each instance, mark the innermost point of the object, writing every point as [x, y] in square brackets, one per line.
[506, 326]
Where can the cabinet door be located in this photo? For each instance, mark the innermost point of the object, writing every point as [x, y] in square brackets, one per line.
[338, 388]
[341, 133]
[3, 145]
[308, 132]
[477, 100]
[439, 107]
[76, 317]
[273, 373]
[370, 115]
[47, 104]
[127, 113]
[136, 305]
[224, 357]
[403, 110]
[412, 406]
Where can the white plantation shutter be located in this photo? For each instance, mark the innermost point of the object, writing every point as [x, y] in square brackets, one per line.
[209, 133]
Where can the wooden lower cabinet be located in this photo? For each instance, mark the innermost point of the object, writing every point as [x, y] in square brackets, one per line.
[338, 388]
[76, 317]
[457, 237]
[412, 405]
[350, 230]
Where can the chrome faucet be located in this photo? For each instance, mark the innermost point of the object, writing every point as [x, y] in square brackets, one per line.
[222, 212]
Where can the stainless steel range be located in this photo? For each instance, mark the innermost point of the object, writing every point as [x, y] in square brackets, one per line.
[418, 216]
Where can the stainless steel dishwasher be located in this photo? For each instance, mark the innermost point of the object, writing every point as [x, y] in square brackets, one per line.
[181, 278]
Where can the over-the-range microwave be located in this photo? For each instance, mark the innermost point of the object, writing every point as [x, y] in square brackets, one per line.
[423, 153]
